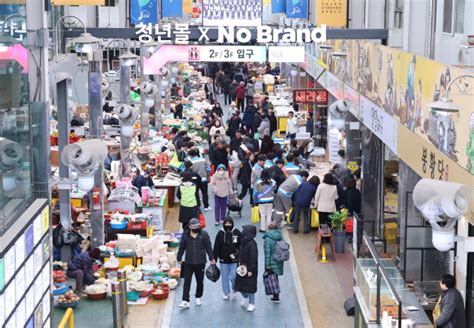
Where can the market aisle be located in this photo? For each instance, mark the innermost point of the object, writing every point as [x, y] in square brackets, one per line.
[215, 312]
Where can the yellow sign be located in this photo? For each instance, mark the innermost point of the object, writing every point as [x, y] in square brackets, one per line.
[352, 166]
[267, 2]
[333, 13]
[78, 2]
[187, 6]
[45, 219]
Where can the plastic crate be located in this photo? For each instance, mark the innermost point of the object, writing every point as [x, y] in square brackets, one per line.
[137, 226]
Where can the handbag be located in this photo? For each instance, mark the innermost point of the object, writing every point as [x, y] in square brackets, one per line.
[242, 270]
[314, 218]
[270, 281]
[437, 310]
[255, 218]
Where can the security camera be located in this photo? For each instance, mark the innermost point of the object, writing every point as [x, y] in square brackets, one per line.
[442, 203]
[127, 116]
[12, 154]
[339, 108]
[85, 158]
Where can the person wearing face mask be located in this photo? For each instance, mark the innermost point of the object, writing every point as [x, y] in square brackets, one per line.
[247, 270]
[194, 245]
[226, 249]
[221, 186]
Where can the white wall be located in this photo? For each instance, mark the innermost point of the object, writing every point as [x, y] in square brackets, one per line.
[448, 47]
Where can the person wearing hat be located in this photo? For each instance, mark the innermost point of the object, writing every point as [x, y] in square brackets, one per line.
[80, 269]
[143, 180]
[194, 245]
[247, 270]
[188, 195]
[221, 186]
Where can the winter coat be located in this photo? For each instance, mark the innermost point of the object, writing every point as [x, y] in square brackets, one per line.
[219, 156]
[304, 195]
[353, 201]
[248, 116]
[257, 119]
[256, 173]
[245, 173]
[234, 160]
[232, 89]
[227, 244]
[452, 310]
[221, 185]
[234, 125]
[81, 262]
[240, 92]
[277, 174]
[250, 89]
[235, 144]
[263, 193]
[213, 131]
[325, 199]
[201, 167]
[269, 244]
[264, 128]
[248, 256]
[195, 248]
[273, 123]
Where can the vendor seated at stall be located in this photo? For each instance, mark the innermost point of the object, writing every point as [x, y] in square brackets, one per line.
[80, 269]
[143, 180]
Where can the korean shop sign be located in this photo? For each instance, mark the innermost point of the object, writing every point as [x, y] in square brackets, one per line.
[230, 35]
[311, 96]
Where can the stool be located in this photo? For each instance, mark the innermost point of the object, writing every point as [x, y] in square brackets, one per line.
[319, 242]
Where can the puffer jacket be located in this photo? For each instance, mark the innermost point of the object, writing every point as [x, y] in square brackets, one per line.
[195, 249]
[271, 237]
[452, 310]
[221, 185]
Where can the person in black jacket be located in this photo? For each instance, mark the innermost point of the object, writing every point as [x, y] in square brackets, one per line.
[234, 124]
[452, 305]
[195, 244]
[226, 249]
[220, 155]
[353, 198]
[247, 273]
[273, 121]
[245, 177]
[276, 172]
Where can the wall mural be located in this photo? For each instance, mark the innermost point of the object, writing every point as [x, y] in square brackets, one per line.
[403, 84]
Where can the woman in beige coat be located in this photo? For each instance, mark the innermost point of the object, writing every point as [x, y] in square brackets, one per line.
[221, 186]
[325, 198]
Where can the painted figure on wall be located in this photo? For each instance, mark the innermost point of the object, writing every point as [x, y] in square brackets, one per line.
[470, 146]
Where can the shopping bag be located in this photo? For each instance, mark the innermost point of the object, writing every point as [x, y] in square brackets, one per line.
[437, 310]
[314, 218]
[213, 273]
[291, 216]
[270, 281]
[202, 219]
[255, 218]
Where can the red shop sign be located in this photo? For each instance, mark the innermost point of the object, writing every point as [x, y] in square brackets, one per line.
[311, 96]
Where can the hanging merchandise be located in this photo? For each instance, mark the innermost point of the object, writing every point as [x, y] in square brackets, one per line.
[96, 202]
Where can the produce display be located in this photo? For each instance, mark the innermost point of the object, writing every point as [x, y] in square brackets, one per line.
[69, 299]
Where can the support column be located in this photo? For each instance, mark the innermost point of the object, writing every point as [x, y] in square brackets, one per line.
[125, 141]
[96, 132]
[144, 122]
[158, 109]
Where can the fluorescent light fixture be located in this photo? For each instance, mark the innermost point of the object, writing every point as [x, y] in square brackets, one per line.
[86, 43]
[444, 104]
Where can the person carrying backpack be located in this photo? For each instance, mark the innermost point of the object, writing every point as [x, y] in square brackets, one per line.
[271, 239]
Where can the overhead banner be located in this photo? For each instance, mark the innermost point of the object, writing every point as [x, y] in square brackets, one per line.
[172, 8]
[278, 6]
[232, 13]
[297, 9]
[333, 13]
[143, 11]
[78, 2]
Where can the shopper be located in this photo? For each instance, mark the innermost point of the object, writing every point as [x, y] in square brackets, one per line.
[264, 127]
[234, 163]
[451, 305]
[226, 250]
[221, 187]
[232, 90]
[303, 197]
[283, 198]
[219, 155]
[273, 122]
[247, 272]
[217, 128]
[186, 88]
[234, 124]
[353, 198]
[194, 245]
[237, 140]
[178, 110]
[240, 93]
[325, 198]
[257, 169]
[80, 269]
[219, 80]
[217, 110]
[292, 126]
[248, 118]
[245, 177]
[226, 89]
[271, 237]
[342, 174]
[250, 91]
[188, 200]
[276, 172]
[201, 166]
[263, 192]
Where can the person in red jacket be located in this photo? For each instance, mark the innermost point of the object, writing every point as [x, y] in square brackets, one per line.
[240, 93]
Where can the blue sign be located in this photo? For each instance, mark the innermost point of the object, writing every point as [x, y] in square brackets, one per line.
[297, 9]
[143, 11]
[29, 241]
[172, 8]
[278, 6]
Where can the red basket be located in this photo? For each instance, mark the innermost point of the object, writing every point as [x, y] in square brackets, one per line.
[138, 226]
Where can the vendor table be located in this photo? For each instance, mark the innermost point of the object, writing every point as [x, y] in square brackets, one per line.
[124, 261]
[158, 213]
[171, 186]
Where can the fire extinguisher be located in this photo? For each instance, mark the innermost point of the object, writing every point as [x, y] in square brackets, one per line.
[96, 202]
